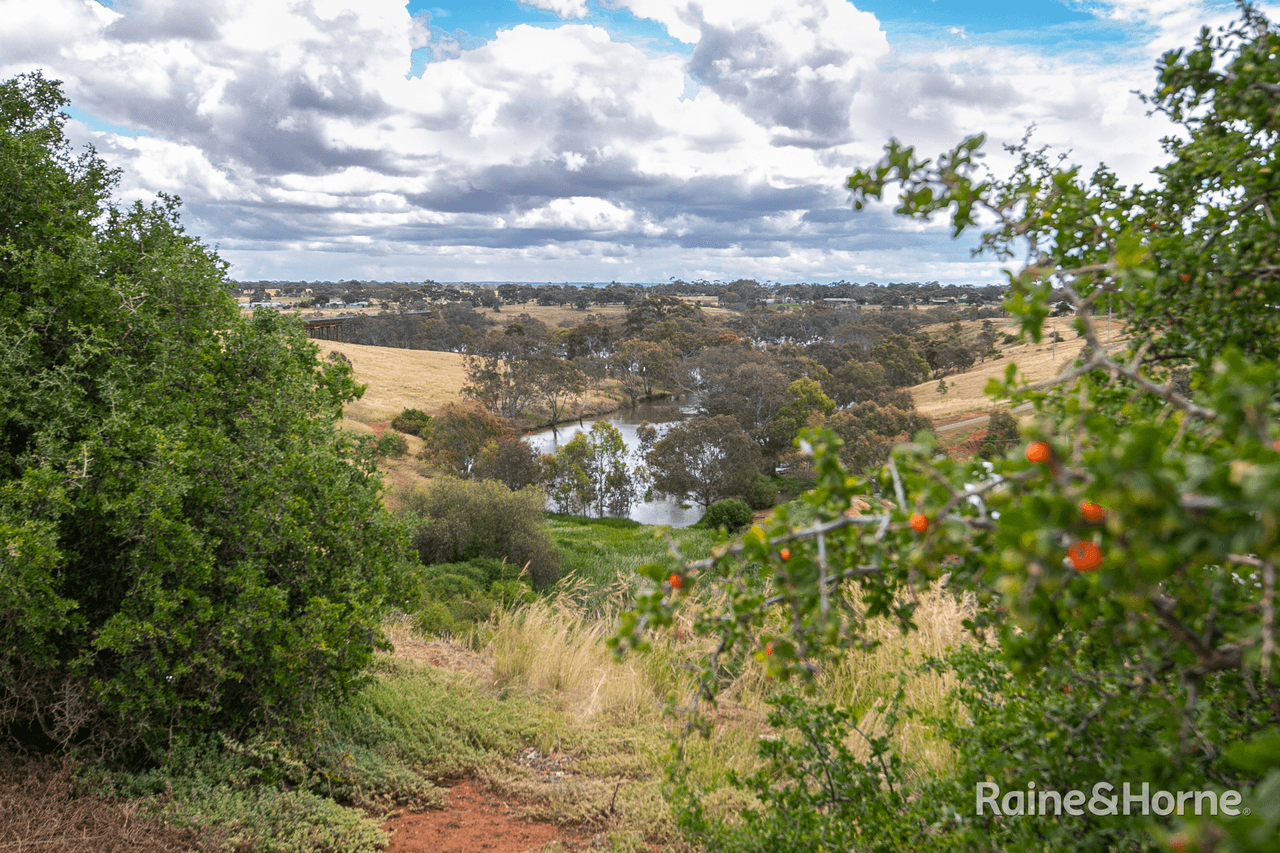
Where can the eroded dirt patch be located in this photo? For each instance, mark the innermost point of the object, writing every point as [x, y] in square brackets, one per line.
[475, 820]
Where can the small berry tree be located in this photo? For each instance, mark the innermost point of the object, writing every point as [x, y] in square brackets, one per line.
[1123, 558]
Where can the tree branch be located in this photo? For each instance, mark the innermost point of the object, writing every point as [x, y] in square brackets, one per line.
[1209, 659]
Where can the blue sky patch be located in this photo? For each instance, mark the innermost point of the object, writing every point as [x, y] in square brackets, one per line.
[95, 123]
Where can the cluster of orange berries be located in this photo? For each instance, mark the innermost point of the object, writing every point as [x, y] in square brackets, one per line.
[1083, 555]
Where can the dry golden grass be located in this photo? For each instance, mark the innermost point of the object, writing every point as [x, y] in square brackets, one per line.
[856, 680]
[552, 315]
[553, 648]
[1036, 362]
[400, 379]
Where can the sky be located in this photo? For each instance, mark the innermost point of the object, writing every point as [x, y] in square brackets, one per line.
[586, 140]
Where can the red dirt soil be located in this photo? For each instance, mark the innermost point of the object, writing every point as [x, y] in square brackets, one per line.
[475, 821]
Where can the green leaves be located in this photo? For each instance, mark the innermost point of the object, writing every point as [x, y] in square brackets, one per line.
[1126, 562]
[189, 543]
[926, 190]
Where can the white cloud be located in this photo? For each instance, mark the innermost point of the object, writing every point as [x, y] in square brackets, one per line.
[564, 8]
[578, 213]
[290, 128]
[790, 65]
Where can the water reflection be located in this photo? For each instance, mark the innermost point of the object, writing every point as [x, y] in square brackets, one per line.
[662, 415]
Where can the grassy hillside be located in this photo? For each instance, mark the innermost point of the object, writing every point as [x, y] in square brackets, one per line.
[1036, 362]
[400, 379]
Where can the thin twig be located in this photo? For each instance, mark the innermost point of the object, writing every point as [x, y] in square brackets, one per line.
[1268, 604]
[897, 485]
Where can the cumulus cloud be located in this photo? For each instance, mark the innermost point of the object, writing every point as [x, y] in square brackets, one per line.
[293, 128]
[563, 8]
[793, 66]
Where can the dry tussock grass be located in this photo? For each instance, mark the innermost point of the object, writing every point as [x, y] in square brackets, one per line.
[555, 648]
[860, 679]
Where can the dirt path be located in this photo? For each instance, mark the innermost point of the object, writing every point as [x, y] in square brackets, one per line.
[475, 821]
[976, 421]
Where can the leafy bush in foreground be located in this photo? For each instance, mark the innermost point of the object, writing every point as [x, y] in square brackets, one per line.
[189, 542]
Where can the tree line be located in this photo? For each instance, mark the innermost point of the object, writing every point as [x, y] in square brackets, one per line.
[757, 380]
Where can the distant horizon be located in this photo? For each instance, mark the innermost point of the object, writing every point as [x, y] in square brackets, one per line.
[600, 284]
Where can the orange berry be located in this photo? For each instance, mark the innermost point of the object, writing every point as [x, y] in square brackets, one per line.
[768, 649]
[919, 523]
[1092, 512]
[1066, 688]
[1277, 444]
[1039, 451]
[785, 553]
[676, 581]
[1186, 276]
[1085, 556]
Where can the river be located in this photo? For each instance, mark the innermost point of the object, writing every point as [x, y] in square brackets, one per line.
[662, 415]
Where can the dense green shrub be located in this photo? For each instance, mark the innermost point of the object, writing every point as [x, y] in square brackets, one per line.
[190, 543]
[411, 421]
[762, 493]
[434, 618]
[455, 596]
[392, 444]
[731, 514]
[455, 520]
